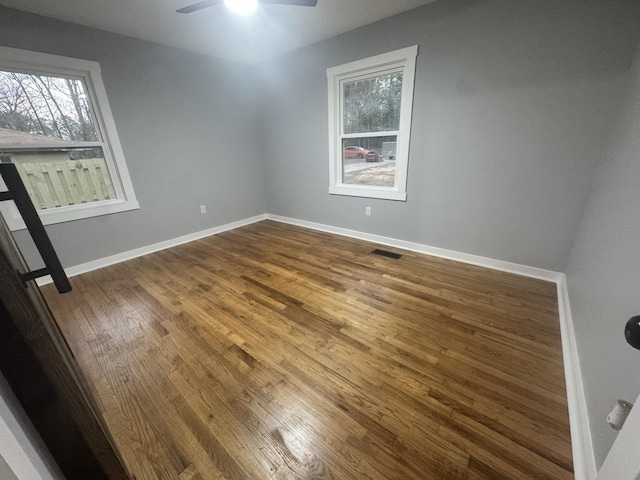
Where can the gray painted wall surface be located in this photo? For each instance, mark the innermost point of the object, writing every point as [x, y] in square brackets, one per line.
[187, 126]
[5, 471]
[603, 274]
[514, 101]
[35, 456]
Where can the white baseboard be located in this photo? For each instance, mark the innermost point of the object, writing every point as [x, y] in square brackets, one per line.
[583, 454]
[491, 263]
[138, 252]
[584, 461]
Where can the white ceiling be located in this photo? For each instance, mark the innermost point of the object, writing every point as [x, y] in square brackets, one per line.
[216, 31]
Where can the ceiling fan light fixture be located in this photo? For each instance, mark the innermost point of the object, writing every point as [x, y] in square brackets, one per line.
[242, 7]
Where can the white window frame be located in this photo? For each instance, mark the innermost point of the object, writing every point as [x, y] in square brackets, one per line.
[403, 60]
[26, 61]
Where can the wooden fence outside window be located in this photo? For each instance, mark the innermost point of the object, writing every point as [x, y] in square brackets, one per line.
[63, 182]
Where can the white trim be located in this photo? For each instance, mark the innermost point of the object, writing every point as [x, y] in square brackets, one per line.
[15, 455]
[31, 61]
[20, 445]
[491, 263]
[367, 191]
[156, 247]
[66, 214]
[382, 60]
[90, 72]
[581, 442]
[584, 462]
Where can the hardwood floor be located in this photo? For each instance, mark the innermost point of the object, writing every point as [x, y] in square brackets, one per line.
[276, 352]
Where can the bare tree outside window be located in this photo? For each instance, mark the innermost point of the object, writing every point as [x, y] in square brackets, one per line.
[45, 105]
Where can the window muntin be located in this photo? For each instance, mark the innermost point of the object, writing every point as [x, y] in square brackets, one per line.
[56, 126]
[370, 103]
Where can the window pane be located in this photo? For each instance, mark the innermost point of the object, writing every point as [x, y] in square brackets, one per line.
[64, 177]
[369, 161]
[46, 106]
[373, 104]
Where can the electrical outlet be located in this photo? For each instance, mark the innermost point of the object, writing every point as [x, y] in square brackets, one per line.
[203, 209]
[367, 211]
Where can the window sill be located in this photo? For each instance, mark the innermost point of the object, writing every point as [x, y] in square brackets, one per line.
[67, 214]
[368, 192]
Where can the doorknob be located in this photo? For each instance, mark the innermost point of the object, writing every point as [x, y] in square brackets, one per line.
[632, 332]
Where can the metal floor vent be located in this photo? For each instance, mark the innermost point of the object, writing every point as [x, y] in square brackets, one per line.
[384, 253]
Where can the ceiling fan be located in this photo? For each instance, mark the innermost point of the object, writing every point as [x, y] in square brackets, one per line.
[210, 3]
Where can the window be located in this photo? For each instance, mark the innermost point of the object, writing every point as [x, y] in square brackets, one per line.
[370, 104]
[56, 126]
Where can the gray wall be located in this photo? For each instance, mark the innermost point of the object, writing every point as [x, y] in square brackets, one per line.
[603, 274]
[514, 101]
[187, 126]
[5, 471]
[25, 442]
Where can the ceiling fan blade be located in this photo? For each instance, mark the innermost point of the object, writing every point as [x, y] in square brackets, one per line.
[300, 3]
[198, 6]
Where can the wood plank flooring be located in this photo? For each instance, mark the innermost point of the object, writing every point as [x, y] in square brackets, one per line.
[277, 352]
